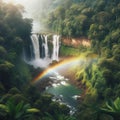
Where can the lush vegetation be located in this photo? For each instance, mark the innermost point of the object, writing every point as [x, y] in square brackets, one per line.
[98, 20]
[19, 100]
[13, 38]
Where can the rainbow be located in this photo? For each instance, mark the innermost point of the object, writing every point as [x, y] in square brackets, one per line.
[68, 61]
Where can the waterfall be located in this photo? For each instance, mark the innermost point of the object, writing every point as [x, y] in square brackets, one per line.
[55, 47]
[35, 42]
[46, 46]
[41, 47]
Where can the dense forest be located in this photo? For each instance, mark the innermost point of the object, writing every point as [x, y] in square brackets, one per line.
[97, 20]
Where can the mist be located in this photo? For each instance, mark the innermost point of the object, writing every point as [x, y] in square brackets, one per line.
[38, 10]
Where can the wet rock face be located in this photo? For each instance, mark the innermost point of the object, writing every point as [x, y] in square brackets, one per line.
[76, 42]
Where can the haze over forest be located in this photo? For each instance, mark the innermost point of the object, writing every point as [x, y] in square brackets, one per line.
[59, 60]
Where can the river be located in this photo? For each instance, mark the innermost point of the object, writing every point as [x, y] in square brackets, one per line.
[63, 91]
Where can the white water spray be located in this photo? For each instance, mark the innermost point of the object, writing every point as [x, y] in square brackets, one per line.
[35, 42]
[46, 46]
[55, 47]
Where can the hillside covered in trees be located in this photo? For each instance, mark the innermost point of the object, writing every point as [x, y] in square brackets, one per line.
[97, 20]
[19, 100]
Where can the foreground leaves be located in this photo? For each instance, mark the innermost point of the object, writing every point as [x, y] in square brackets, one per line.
[16, 111]
[112, 108]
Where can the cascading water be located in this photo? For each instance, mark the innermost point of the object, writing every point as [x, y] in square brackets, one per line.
[35, 42]
[46, 46]
[41, 50]
[55, 47]
[42, 47]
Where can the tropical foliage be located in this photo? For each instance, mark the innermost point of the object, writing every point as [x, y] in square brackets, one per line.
[16, 75]
[98, 20]
[112, 108]
[19, 111]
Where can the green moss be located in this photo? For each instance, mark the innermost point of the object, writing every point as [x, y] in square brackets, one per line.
[69, 51]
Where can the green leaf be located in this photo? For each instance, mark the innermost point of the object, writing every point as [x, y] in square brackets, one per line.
[117, 104]
[11, 106]
[33, 110]
[26, 106]
[109, 107]
[19, 114]
[19, 106]
[4, 107]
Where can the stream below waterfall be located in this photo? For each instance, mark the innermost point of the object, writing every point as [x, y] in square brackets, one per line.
[63, 91]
